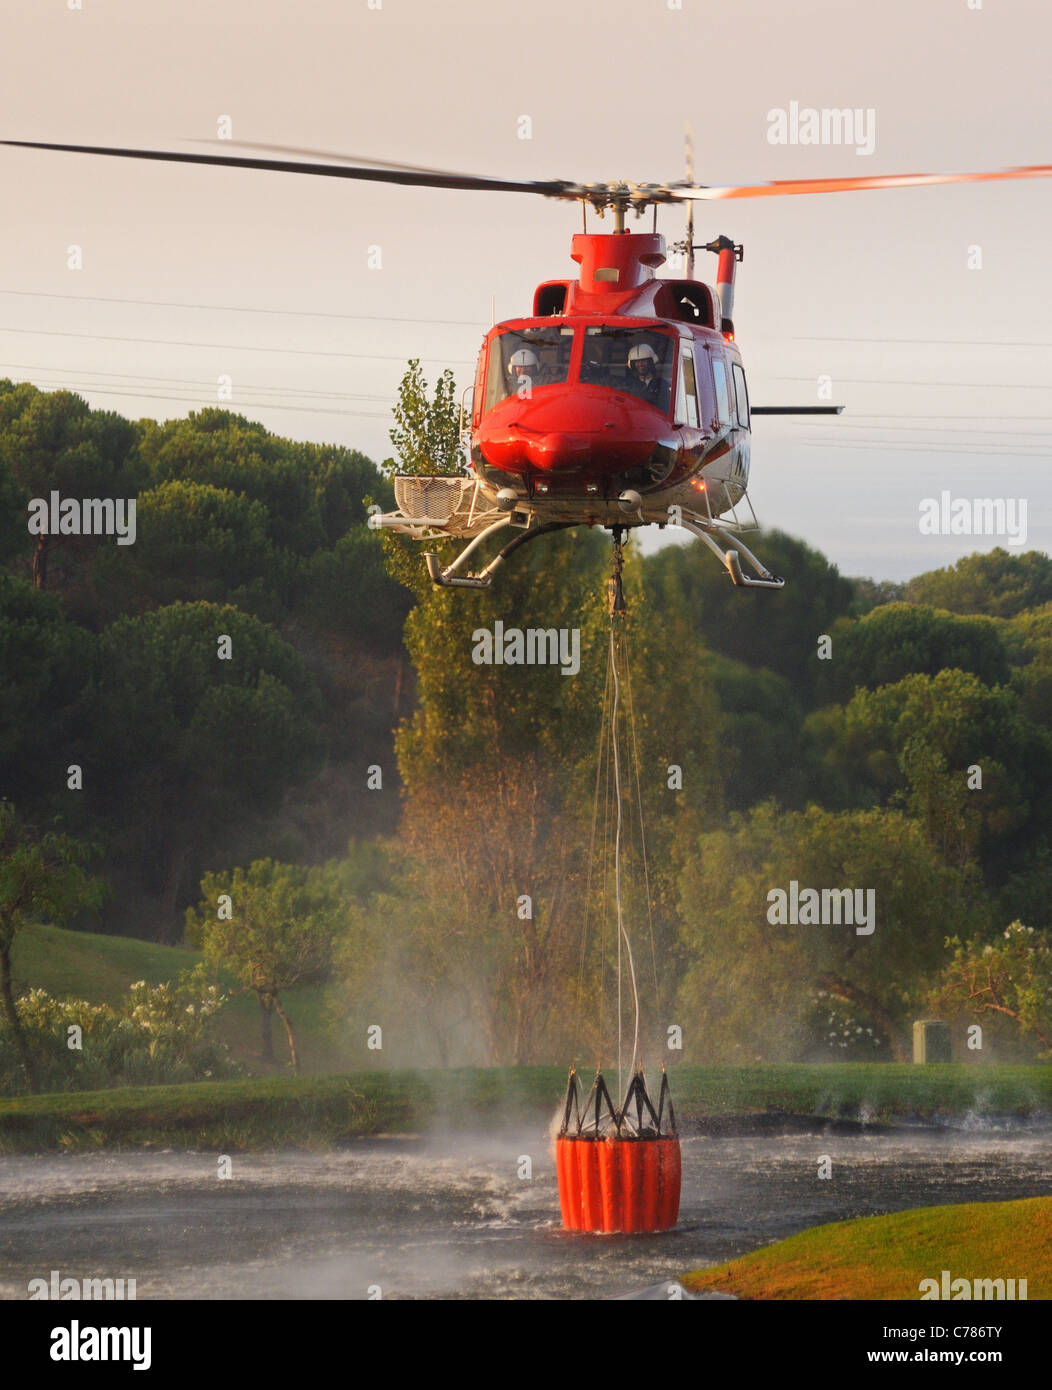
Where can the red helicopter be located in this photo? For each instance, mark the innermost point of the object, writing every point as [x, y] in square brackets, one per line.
[620, 401]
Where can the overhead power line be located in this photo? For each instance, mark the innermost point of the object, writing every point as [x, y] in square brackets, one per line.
[243, 309]
[916, 342]
[915, 381]
[133, 378]
[229, 347]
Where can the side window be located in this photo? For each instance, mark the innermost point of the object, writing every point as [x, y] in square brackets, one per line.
[688, 389]
[723, 403]
[480, 383]
[741, 391]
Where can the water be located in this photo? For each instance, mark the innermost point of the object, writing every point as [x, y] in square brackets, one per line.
[448, 1217]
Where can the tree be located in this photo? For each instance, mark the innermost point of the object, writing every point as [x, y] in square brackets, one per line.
[777, 630]
[961, 756]
[189, 745]
[40, 875]
[750, 990]
[1028, 637]
[763, 752]
[902, 639]
[195, 542]
[53, 441]
[1007, 979]
[275, 930]
[499, 762]
[46, 663]
[313, 494]
[873, 593]
[997, 583]
[347, 591]
[426, 439]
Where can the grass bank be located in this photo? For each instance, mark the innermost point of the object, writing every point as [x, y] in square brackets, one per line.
[886, 1257]
[320, 1111]
[306, 1111]
[87, 965]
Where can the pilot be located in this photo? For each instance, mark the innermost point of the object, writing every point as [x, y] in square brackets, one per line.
[524, 371]
[645, 378]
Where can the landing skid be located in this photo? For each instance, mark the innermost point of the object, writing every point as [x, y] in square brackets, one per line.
[731, 559]
[461, 508]
[448, 578]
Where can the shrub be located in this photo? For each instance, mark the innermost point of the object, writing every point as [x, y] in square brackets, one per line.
[158, 1033]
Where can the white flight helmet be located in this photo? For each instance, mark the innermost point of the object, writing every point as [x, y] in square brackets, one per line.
[642, 352]
[524, 358]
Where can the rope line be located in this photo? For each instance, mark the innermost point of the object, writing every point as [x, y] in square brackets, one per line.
[642, 832]
[588, 879]
[622, 934]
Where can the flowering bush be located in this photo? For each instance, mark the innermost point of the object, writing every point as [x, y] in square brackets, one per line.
[842, 1033]
[158, 1033]
[1007, 985]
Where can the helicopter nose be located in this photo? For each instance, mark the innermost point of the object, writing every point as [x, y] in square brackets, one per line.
[567, 430]
[557, 450]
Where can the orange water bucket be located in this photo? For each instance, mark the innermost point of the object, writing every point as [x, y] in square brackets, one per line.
[618, 1185]
[618, 1172]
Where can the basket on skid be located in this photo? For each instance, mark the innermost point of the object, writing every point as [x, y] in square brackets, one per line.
[618, 1171]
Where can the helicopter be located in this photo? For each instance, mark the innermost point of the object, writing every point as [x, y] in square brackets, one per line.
[620, 401]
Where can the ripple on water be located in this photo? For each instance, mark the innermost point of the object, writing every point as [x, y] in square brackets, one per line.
[449, 1217]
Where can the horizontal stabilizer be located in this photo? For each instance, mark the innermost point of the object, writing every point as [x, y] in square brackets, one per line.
[796, 410]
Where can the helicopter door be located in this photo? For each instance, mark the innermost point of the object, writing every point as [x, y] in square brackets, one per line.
[741, 400]
[687, 401]
[723, 399]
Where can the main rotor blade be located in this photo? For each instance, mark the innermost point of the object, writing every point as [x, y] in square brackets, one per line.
[360, 160]
[426, 178]
[796, 410]
[781, 187]
[598, 194]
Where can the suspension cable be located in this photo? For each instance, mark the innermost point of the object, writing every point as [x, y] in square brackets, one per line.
[616, 613]
[588, 880]
[642, 831]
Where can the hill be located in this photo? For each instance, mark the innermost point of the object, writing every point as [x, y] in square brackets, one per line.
[85, 965]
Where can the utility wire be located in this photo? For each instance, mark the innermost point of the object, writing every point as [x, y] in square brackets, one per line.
[244, 309]
[228, 347]
[916, 381]
[237, 406]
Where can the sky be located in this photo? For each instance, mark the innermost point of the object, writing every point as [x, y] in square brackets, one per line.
[190, 274]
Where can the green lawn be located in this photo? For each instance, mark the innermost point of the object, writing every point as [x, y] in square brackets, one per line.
[322, 1110]
[84, 965]
[886, 1257]
[325, 1104]
[313, 1112]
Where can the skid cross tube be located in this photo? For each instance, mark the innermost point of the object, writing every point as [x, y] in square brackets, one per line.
[448, 578]
[730, 560]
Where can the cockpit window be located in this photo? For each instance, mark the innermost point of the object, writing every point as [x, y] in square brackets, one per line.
[635, 360]
[522, 360]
